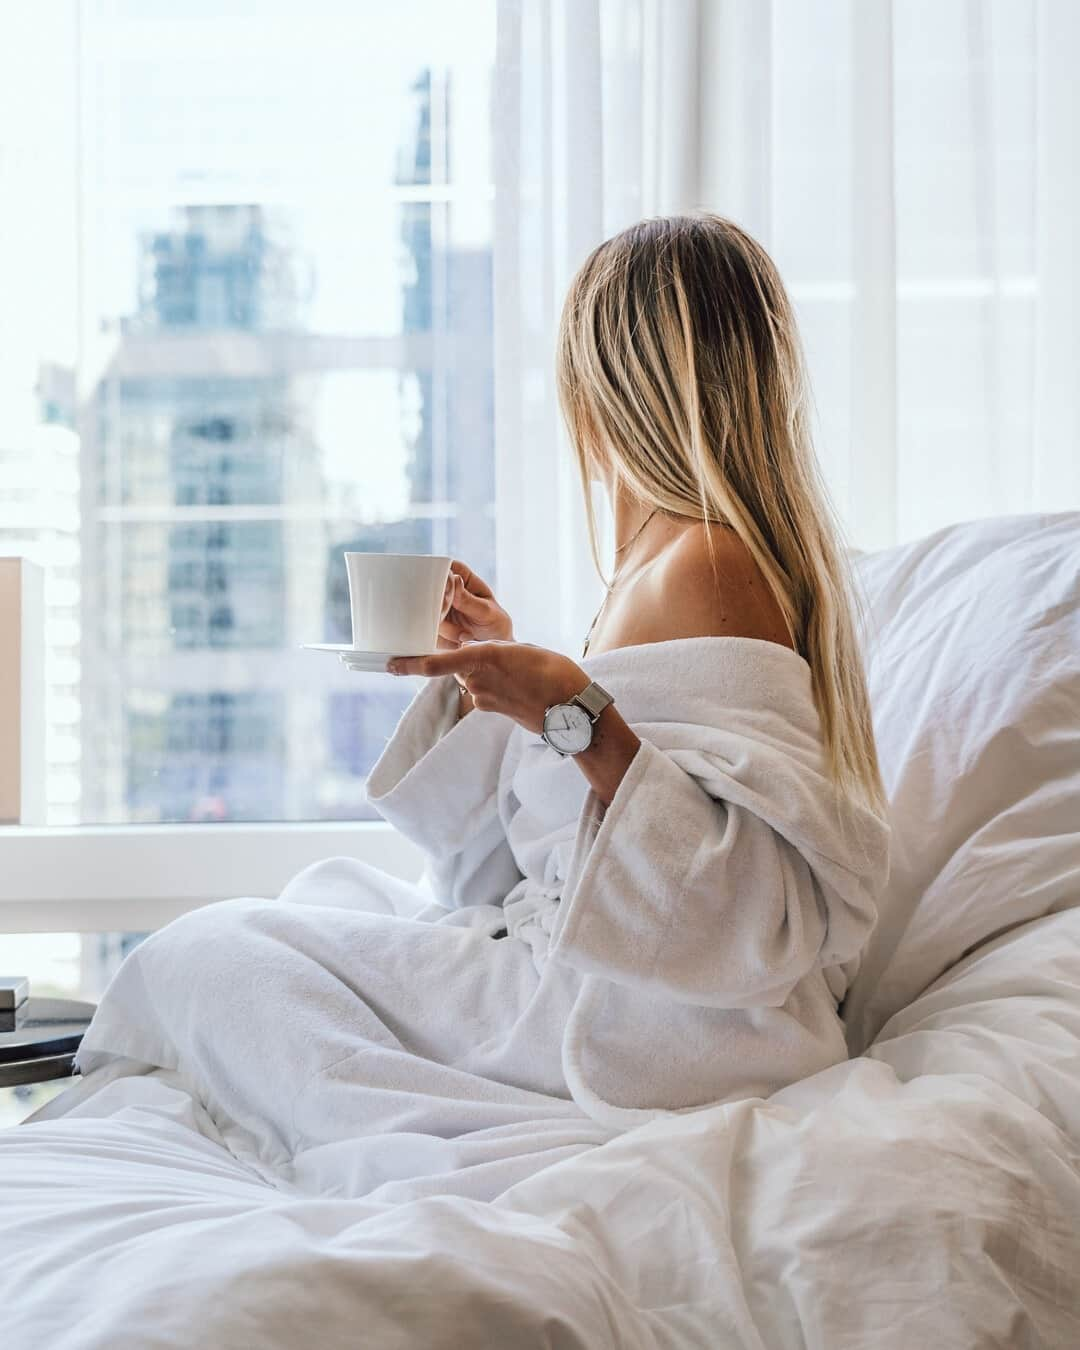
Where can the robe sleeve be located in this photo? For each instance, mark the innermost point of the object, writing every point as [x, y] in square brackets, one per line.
[699, 899]
[437, 782]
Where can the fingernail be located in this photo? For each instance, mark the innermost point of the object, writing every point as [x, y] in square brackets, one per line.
[393, 668]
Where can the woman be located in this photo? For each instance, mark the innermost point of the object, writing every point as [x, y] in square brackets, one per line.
[648, 900]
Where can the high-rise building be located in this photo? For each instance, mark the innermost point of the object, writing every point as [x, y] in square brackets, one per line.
[451, 465]
[206, 528]
[190, 444]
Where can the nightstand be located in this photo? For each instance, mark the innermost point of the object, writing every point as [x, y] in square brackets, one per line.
[39, 1038]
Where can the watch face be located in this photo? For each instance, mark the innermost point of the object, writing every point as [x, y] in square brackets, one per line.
[568, 728]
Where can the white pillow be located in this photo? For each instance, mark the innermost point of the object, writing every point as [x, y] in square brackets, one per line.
[973, 660]
[1010, 1013]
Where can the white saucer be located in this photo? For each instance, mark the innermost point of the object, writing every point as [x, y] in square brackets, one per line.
[359, 658]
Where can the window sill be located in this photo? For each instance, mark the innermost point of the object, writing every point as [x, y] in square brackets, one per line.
[134, 878]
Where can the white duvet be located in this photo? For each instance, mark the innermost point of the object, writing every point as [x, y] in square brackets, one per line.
[927, 1192]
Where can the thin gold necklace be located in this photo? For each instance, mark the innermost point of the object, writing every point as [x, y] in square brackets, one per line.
[621, 549]
[640, 529]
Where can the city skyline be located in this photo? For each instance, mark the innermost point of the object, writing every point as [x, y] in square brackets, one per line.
[382, 425]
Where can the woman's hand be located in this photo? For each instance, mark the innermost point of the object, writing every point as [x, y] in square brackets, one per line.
[470, 612]
[513, 678]
[522, 681]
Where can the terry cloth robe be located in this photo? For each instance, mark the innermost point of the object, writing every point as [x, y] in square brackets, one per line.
[686, 946]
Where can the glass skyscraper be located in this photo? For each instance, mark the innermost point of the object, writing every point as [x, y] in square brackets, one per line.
[207, 555]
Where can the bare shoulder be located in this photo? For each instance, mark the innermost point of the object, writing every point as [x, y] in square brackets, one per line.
[718, 591]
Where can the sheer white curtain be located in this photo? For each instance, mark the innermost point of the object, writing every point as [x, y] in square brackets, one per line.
[596, 123]
[913, 167]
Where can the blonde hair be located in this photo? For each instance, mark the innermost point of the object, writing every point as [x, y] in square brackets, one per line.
[679, 365]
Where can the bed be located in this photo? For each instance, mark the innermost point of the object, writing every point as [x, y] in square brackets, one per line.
[927, 1191]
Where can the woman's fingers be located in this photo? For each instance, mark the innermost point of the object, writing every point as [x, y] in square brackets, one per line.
[476, 607]
[453, 592]
[472, 583]
[450, 626]
[473, 606]
[466, 660]
[460, 604]
[449, 662]
[515, 679]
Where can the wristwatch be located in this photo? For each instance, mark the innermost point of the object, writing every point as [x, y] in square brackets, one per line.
[568, 727]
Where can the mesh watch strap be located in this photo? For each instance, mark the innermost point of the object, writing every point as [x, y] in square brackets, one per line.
[593, 699]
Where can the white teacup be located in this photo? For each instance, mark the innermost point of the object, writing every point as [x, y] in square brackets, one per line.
[396, 601]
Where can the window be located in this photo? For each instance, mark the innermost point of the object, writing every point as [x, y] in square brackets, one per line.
[63, 965]
[245, 325]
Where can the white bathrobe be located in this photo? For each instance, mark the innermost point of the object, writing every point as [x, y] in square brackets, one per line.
[687, 946]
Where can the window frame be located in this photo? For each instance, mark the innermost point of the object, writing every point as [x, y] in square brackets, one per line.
[135, 878]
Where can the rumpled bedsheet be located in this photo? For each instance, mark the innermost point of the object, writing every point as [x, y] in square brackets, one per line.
[925, 1193]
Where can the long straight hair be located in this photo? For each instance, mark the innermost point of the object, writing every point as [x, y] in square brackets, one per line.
[680, 371]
